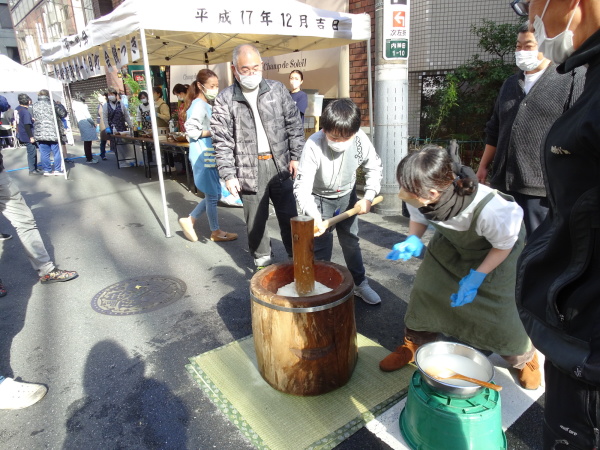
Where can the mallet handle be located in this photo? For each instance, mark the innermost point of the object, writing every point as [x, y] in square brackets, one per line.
[349, 213]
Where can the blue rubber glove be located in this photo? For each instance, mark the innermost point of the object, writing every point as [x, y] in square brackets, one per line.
[108, 130]
[467, 290]
[412, 246]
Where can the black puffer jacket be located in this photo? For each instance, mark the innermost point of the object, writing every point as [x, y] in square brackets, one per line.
[558, 276]
[234, 132]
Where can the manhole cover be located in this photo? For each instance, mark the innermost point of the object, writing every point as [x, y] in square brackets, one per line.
[138, 295]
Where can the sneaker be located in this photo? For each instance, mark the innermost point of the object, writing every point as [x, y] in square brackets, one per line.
[530, 376]
[58, 275]
[17, 395]
[48, 174]
[58, 173]
[3, 290]
[104, 158]
[92, 161]
[5, 237]
[366, 292]
[400, 357]
[187, 226]
[35, 172]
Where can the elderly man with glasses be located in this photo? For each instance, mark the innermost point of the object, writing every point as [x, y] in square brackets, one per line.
[258, 138]
[558, 287]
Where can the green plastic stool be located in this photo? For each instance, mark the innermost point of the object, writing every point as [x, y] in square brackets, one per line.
[432, 420]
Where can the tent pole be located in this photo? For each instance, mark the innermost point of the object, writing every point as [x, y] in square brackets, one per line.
[370, 87]
[154, 130]
[62, 159]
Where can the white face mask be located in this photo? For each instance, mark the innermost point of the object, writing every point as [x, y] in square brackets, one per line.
[295, 84]
[112, 98]
[558, 48]
[527, 60]
[339, 147]
[250, 82]
[211, 94]
[145, 101]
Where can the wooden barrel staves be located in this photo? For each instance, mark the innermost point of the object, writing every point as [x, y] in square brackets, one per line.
[304, 345]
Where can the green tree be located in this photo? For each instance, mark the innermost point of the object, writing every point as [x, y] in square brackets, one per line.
[463, 100]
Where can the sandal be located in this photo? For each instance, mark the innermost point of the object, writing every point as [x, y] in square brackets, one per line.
[224, 238]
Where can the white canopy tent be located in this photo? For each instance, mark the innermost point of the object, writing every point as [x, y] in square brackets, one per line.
[17, 79]
[199, 32]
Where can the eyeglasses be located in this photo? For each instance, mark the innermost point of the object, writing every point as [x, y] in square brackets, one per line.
[250, 70]
[521, 7]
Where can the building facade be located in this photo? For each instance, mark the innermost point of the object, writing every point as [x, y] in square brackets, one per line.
[8, 41]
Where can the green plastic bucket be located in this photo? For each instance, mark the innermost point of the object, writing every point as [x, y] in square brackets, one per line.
[433, 421]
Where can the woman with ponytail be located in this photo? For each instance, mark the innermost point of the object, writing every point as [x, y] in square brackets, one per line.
[465, 286]
[202, 156]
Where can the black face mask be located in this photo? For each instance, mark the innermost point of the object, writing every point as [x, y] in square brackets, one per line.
[451, 204]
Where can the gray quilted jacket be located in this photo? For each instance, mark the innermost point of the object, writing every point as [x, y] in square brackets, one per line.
[234, 132]
[45, 129]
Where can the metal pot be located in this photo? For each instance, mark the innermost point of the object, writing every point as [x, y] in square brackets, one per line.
[451, 387]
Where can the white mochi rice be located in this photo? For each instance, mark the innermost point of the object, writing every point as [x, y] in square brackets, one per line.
[289, 290]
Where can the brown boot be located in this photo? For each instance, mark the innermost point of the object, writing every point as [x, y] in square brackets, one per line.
[400, 357]
[530, 376]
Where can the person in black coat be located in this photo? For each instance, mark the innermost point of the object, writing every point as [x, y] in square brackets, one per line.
[558, 283]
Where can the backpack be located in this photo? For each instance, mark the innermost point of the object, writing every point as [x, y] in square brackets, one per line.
[4, 106]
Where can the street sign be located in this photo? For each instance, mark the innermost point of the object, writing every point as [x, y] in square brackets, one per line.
[396, 49]
[396, 20]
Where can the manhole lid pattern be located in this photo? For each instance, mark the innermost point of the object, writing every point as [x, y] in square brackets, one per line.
[138, 295]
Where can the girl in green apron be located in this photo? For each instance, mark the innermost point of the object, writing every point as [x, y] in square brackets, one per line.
[465, 286]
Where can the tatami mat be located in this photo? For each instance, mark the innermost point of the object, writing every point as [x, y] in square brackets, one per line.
[274, 420]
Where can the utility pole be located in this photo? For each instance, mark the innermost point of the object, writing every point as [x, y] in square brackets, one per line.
[391, 95]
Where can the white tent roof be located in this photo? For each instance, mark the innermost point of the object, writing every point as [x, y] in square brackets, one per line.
[184, 32]
[17, 79]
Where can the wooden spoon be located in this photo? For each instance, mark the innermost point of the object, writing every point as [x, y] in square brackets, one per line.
[440, 373]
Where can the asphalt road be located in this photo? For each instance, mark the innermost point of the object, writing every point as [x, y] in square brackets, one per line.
[120, 381]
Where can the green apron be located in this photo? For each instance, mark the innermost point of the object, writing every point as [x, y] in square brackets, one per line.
[491, 321]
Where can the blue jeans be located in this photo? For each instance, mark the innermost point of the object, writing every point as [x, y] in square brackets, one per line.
[347, 233]
[45, 148]
[31, 155]
[102, 148]
[209, 204]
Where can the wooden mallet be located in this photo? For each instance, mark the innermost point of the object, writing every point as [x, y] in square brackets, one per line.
[346, 214]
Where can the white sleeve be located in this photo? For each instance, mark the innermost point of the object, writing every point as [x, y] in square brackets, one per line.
[305, 178]
[500, 223]
[193, 125]
[372, 167]
[416, 216]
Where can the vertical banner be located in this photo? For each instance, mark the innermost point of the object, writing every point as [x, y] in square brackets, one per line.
[123, 53]
[109, 63]
[64, 72]
[97, 63]
[69, 70]
[115, 55]
[134, 47]
[89, 63]
[82, 72]
[75, 69]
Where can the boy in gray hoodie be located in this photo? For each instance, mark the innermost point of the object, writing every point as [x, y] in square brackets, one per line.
[326, 186]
